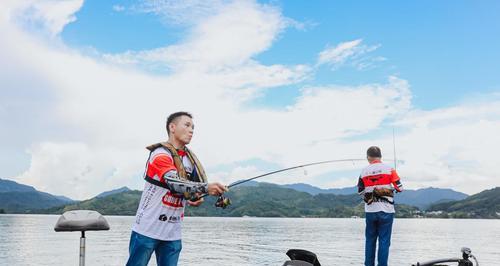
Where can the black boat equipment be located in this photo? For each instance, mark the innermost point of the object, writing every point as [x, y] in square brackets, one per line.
[300, 257]
[464, 261]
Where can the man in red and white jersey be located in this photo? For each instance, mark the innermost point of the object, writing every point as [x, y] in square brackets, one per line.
[376, 184]
[174, 177]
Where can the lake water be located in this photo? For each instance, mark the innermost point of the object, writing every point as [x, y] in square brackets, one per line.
[31, 240]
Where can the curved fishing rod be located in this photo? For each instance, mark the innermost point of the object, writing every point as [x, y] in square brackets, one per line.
[394, 146]
[291, 168]
[223, 202]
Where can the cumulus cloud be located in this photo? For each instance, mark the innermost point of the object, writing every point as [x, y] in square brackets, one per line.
[453, 147]
[76, 167]
[100, 115]
[229, 36]
[100, 105]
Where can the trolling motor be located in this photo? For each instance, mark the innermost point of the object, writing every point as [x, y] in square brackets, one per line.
[464, 261]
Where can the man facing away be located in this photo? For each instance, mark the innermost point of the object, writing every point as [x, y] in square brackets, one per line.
[174, 177]
[377, 183]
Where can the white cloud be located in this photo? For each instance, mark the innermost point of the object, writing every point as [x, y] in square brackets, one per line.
[193, 12]
[237, 173]
[118, 8]
[352, 51]
[368, 62]
[49, 16]
[453, 147]
[187, 12]
[102, 114]
[79, 168]
[222, 45]
[231, 36]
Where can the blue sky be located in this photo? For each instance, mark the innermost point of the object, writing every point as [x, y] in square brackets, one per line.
[442, 47]
[271, 84]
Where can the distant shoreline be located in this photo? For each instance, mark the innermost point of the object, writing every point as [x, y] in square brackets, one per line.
[260, 217]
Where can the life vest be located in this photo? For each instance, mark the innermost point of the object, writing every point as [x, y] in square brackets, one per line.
[379, 176]
[198, 170]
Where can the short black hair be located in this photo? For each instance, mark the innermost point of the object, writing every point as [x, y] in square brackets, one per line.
[172, 117]
[374, 152]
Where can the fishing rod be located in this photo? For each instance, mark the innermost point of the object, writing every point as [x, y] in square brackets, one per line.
[394, 146]
[291, 168]
[223, 202]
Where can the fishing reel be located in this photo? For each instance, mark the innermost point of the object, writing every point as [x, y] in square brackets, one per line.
[222, 202]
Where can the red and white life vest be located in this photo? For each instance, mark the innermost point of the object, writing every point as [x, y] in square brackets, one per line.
[161, 212]
[379, 175]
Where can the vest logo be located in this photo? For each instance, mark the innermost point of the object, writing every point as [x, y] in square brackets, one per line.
[170, 219]
[172, 200]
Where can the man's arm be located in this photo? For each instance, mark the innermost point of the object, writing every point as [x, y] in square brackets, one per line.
[396, 181]
[188, 188]
[163, 165]
[361, 186]
[191, 190]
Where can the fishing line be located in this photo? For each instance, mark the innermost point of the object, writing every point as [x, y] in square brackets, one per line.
[223, 202]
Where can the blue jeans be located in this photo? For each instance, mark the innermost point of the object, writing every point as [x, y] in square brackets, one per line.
[378, 225]
[141, 247]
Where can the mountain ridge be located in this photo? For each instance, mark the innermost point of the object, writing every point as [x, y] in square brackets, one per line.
[271, 200]
[485, 204]
[20, 198]
[20, 202]
[421, 198]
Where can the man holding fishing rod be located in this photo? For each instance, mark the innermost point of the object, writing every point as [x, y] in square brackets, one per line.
[377, 183]
[174, 177]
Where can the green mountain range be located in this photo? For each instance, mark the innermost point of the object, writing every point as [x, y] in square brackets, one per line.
[122, 203]
[263, 200]
[421, 198]
[485, 204]
[19, 198]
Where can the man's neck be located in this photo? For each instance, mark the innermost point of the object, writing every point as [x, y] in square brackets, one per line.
[177, 144]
